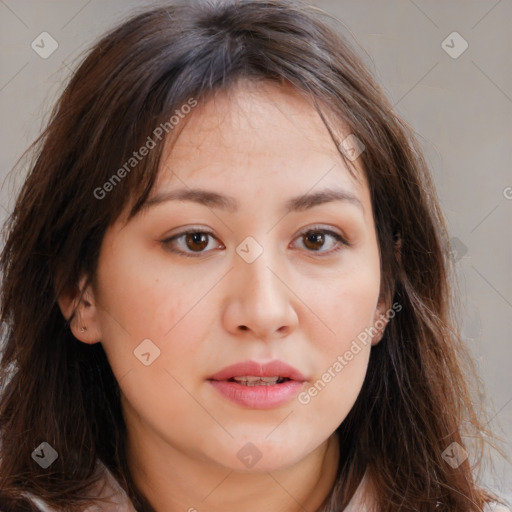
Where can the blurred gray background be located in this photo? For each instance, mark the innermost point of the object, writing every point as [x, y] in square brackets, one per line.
[446, 66]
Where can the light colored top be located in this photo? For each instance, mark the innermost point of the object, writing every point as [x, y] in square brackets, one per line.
[119, 501]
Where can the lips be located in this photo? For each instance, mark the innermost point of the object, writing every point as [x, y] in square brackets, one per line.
[258, 386]
[277, 369]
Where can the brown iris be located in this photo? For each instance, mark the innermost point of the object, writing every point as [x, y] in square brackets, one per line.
[197, 241]
[316, 240]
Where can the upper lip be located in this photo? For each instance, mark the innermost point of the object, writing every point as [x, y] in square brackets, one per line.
[252, 368]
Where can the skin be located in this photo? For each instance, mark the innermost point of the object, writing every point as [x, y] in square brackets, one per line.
[261, 144]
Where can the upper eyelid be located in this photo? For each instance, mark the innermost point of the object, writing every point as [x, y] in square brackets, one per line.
[193, 229]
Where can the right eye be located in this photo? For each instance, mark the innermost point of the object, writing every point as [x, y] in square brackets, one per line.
[191, 243]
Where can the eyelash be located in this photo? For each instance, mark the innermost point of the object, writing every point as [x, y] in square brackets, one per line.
[315, 229]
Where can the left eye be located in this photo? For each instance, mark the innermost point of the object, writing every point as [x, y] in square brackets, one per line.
[314, 239]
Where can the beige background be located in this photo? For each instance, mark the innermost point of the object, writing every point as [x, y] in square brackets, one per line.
[460, 107]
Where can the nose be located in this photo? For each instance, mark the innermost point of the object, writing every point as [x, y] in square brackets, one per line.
[260, 302]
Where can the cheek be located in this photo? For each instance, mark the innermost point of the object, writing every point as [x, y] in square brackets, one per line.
[141, 295]
[341, 359]
[137, 301]
[346, 306]
[141, 300]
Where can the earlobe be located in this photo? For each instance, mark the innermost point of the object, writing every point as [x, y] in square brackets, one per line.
[79, 309]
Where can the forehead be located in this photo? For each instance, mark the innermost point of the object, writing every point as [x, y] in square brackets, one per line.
[258, 138]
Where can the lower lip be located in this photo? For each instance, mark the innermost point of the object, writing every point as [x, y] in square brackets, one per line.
[258, 397]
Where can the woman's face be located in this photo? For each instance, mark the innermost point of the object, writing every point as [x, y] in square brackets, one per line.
[172, 311]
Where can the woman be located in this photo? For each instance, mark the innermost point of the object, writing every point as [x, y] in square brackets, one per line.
[226, 284]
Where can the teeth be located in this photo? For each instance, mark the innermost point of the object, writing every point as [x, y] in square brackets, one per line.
[258, 381]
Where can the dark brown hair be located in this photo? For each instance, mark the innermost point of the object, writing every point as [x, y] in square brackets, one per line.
[415, 400]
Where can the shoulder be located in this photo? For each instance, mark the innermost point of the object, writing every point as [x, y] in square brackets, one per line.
[108, 489]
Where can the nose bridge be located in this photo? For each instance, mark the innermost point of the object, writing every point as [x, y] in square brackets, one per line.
[260, 281]
[260, 300]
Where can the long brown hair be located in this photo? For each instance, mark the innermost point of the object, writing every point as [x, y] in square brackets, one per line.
[415, 400]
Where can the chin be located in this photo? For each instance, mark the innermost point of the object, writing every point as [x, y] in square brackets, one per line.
[263, 455]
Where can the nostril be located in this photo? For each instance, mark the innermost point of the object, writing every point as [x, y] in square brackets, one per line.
[243, 327]
[283, 330]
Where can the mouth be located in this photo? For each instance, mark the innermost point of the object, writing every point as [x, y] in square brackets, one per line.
[252, 380]
[258, 386]
[253, 373]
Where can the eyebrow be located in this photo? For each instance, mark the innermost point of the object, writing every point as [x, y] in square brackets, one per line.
[228, 203]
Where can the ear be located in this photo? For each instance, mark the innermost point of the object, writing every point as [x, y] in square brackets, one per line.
[380, 319]
[79, 308]
[382, 312]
